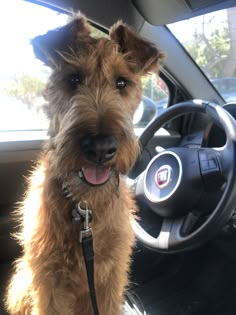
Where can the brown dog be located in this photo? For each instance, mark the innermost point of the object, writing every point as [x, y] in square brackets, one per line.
[93, 92]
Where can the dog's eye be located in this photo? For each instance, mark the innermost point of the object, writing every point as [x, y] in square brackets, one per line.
[121, 83]
[74, 80]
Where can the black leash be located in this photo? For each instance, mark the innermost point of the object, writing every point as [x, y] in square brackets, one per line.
[84, 215]
[87, 244]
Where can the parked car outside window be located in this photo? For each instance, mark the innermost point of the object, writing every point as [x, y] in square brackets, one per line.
[226, 87]
[211, 41]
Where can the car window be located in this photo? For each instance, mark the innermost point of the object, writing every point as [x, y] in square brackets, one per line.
[23, 77]
[211, 41]
[154, 100]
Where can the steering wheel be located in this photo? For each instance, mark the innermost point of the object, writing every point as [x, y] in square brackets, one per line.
[176, 183]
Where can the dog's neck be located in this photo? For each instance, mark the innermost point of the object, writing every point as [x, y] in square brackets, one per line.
[103, 201]
[75, 190]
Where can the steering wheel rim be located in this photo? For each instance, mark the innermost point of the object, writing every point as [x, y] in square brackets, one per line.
[170, 238]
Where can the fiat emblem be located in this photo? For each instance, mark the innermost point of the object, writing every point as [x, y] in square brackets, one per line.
[164, 176]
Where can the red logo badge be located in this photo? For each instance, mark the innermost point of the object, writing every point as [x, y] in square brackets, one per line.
[164, 176]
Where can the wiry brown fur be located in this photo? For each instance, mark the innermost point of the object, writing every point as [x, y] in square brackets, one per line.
[50, 276]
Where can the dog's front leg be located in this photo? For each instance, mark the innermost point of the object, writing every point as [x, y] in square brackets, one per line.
[53, 300]
[111, 296]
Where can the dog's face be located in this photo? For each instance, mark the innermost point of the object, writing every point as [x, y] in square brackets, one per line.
[93, 93]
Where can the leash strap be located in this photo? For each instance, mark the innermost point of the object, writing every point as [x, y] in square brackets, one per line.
[87, 245]
[84, 215]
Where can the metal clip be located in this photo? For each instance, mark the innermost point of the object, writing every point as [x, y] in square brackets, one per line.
[87, 216]
[85, 234]
[84, 212]
[76, 218]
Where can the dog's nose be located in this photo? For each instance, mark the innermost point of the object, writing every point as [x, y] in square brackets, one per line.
[99, 149]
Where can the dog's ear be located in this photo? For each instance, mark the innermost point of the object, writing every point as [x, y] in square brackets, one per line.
[144, 54]
[49, 47]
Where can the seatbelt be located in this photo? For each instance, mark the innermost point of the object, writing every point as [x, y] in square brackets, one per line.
[84, 215]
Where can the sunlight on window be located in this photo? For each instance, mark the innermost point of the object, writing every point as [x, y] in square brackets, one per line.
[22, 76]
[210, 40]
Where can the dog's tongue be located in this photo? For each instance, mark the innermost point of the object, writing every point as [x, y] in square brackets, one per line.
[96, 175]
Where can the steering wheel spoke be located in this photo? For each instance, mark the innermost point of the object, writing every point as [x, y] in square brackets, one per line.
[161, 242]
[172, 230]
[213, 167]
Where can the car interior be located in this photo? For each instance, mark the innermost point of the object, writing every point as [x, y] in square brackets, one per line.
[185, 255]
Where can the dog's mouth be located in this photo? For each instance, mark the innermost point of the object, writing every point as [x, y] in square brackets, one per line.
[95, 175]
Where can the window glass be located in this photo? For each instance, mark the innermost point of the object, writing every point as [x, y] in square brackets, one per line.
[22, 77]
[211, 41]
[154, 100]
